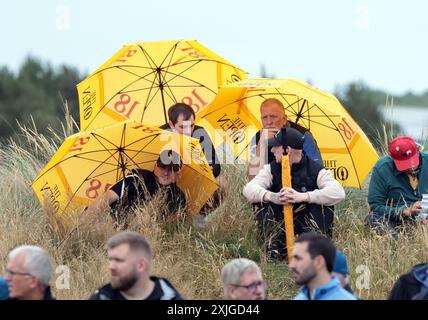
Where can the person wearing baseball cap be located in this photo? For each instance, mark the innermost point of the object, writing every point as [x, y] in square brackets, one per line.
[313, 194]
[397, 184]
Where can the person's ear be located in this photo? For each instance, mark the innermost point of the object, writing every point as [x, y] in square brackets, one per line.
[319, 262]
[34, 282]
[142, 264]
[232, 291]
[171, 125]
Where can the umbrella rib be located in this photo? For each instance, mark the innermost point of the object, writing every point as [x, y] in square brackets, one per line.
[347, 148]
[173, 49]
[170, 53]
[189, 79]
[149, 59]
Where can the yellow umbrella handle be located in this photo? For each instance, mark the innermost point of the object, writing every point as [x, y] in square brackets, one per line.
[288, 208]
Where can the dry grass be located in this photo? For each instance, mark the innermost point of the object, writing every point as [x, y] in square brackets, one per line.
[190, 257]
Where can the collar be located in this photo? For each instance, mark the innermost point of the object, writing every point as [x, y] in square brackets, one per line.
[322, 290]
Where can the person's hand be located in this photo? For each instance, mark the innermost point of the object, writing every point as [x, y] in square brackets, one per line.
[292, 196]
[414, 210]
[265, 134]
[276, 197]
[268, 133]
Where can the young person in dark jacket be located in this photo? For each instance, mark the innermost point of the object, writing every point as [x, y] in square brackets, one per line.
[139, 186]
[130, 257]
[182, 120]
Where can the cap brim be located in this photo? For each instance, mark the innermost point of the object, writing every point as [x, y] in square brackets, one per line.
[272, 142]
[403, 165]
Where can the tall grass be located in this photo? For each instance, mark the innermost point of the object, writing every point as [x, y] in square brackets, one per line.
[190, 257]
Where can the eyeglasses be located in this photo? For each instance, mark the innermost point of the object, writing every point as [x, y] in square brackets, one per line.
[252, 286]
[14, 273]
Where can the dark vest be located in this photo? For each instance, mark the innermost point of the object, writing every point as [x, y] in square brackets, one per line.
[307, 216]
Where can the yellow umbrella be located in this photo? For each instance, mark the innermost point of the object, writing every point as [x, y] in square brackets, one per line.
[234, 116]
[89, 163]
[142, 80]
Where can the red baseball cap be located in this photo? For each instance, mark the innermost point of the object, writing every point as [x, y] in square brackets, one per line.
[404, 152]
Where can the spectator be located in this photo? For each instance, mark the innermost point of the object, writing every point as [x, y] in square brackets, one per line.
[182, 120]
[341, 271]
[311, 264]
[242, 280]
[28, 273]
[141, 185]
[412, 285]
[314, 192]
[397, 184]
[273, 118]
[130, 257]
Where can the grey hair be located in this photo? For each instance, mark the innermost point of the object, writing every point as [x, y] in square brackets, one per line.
[233, 271]
[37, 262]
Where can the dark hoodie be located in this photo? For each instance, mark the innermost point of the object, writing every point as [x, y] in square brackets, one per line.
[412, 285]
[163, 290]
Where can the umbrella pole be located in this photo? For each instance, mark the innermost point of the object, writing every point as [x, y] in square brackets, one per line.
[288, 208]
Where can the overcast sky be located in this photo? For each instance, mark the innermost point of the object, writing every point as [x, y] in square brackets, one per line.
[329, 42]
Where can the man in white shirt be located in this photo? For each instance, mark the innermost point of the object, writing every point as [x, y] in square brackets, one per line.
[314, 192]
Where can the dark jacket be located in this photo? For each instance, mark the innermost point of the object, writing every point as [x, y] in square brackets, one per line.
[390, 190]
[46, 296]
[140, 185]
[206, 144]
[163, 290]
[412, 285]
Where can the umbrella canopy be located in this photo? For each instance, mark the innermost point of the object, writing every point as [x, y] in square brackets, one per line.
[234, 116]
[142, 80]
[87, 164]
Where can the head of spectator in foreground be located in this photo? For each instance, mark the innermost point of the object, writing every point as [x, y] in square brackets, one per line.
[130, 260]
[340, 269]
[167, 168]
[405, 154]
[313, 258]
[28, 273]
[242, 280]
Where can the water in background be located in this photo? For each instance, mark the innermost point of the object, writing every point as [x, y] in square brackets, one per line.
[412, 119]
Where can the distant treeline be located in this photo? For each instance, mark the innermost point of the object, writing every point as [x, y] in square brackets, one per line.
[39, 90]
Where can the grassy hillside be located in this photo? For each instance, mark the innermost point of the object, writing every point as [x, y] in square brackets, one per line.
[190, 257]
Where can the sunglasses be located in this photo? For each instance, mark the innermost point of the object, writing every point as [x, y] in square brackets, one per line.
[173, 167]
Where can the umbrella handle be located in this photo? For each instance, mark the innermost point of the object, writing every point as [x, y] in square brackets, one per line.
[288, 208]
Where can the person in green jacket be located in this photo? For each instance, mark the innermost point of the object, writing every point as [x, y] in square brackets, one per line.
[397, 185]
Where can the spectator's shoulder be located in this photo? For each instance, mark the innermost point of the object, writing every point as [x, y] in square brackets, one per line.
[384, 163]
[104, 293]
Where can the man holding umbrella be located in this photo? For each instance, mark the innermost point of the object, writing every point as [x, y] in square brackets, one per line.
[140, 185]
[314, 192]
